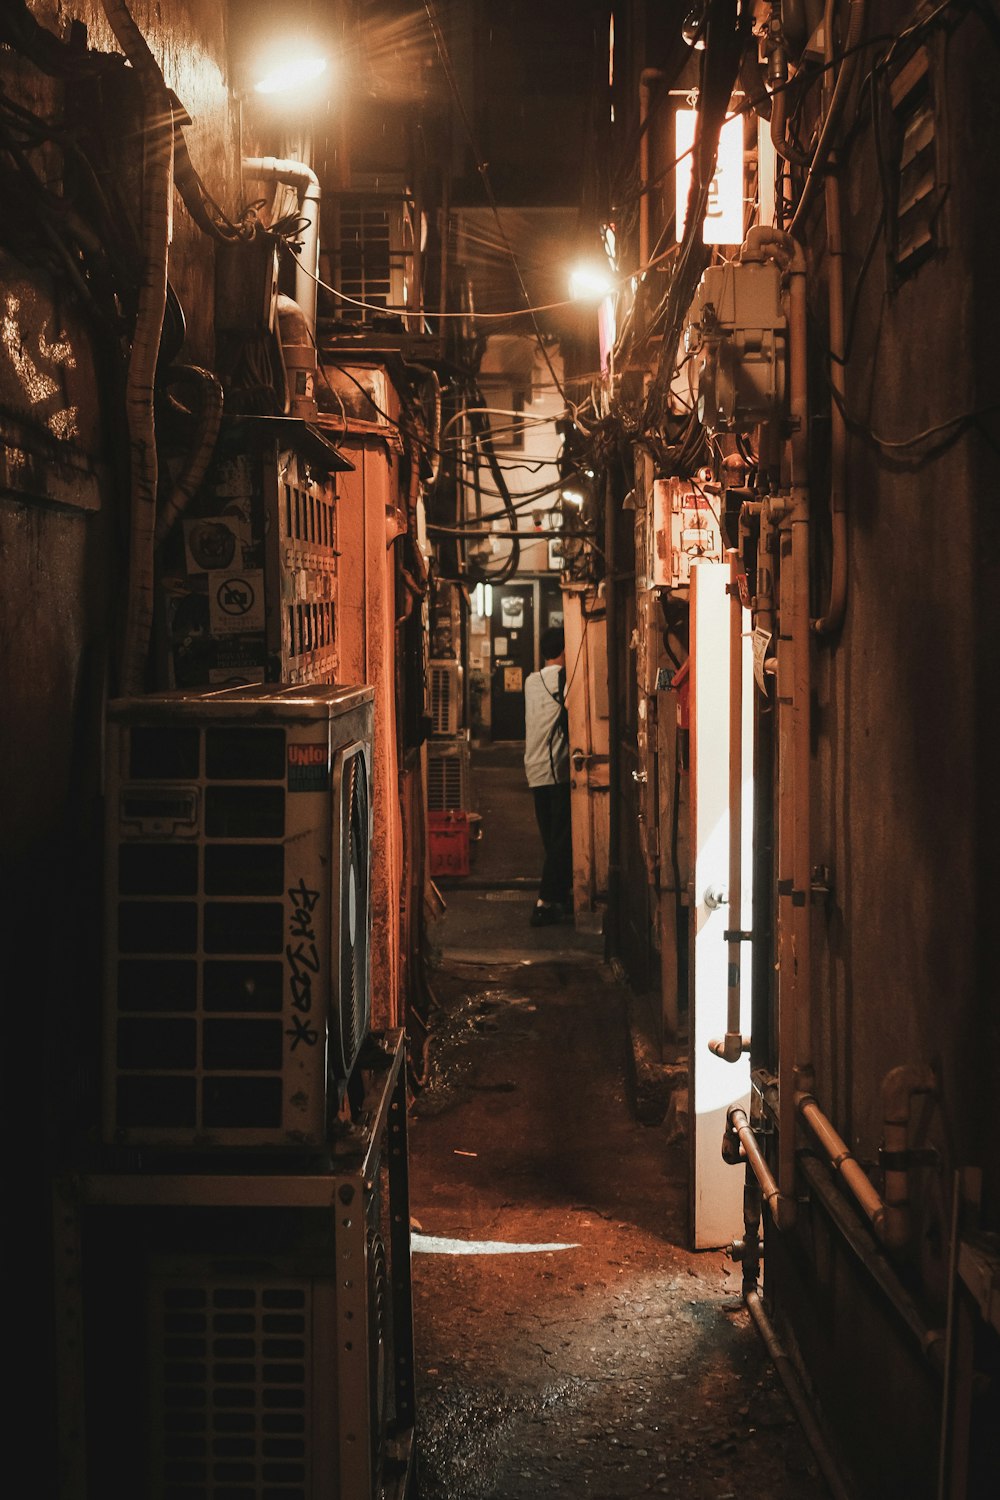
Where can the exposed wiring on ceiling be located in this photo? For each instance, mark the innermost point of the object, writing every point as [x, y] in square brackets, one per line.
[441, 43]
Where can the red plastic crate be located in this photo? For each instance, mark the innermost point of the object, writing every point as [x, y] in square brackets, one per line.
[449, 843]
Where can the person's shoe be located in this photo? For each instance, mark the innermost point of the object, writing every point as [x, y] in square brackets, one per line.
[546, 914]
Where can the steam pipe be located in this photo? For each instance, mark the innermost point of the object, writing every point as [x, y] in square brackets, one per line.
[298, 175]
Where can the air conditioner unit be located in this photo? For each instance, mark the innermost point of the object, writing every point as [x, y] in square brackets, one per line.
[237, 914]
[244, 1335]
[448, 779]
[444, 683]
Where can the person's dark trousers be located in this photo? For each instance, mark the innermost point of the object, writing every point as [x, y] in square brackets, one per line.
[552, 812]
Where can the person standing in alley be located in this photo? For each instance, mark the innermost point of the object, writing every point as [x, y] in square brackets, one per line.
[546, 765]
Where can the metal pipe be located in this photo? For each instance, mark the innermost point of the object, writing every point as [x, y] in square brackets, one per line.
[867, 1250]
[793, 697]
[843, 1161]
[833, 616]
[796, 1396]
[735, 1044]
[298, 175]
[838, 98]
[898, 1088]
[770, 1192]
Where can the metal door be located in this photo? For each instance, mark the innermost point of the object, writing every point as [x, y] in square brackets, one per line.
[513, 646]
[585, 625]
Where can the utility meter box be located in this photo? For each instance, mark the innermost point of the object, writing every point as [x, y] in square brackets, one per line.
[684, 528]
[739, 328]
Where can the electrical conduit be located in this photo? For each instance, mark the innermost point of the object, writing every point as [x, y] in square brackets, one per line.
[157, 178]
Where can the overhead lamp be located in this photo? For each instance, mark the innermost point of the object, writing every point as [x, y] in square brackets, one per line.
[696, 26]
[590, 284]
[573, 497]
[292, 71]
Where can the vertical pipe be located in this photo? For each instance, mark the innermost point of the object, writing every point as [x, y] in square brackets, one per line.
[734, 1036]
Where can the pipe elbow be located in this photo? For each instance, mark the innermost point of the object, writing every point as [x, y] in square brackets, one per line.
[764, 242]
[898, 1087]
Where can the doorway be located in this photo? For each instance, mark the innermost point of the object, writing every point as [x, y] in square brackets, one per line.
[521, 613]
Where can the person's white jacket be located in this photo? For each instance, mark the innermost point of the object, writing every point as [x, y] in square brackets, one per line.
[546, 750]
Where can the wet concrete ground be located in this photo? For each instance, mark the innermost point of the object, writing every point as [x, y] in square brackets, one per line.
[621, 1365]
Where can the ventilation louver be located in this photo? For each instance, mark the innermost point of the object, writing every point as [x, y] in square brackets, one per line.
[238, 921]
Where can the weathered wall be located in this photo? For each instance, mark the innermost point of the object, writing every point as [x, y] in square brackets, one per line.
[903, 799]
[62, 517]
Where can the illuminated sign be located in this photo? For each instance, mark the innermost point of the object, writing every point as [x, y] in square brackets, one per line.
[724, 218]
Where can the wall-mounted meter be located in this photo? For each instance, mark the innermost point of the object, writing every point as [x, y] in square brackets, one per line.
[737, 327]
[684, 528]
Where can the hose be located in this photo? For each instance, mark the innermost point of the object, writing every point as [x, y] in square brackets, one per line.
[207, 431]
[157, 183]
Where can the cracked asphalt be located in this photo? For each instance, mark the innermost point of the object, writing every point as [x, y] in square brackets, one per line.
[620, 1366]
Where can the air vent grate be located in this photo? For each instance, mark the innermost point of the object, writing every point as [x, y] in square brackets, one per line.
[231, 1383]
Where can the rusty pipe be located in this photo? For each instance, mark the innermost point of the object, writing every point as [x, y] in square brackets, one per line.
[796, 1396]
[833, 616]
[844, 1163]
[791, 514]
[740, 1126]
[734, 1043]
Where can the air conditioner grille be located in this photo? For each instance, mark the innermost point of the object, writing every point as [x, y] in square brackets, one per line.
[448, 778]
[232, 1390]
[238, 985]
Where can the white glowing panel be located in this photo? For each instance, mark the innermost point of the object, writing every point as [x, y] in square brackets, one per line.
[724, 219]
[717, 1189]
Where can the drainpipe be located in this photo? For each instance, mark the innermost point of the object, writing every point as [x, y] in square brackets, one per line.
[157, 202]
[898, 1089]
[298, 175]
[732, 1047]
[833, 616]
[791, 513]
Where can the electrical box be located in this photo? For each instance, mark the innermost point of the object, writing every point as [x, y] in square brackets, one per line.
[237, 991]
[248, 577]
[684, 527]
[738, 329]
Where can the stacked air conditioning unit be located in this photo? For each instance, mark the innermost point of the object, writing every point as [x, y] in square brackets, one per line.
[244, 1335]
[239, 831]
[238, 1308]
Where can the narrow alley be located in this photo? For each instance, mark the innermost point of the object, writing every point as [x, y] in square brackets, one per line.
[499, 619]
[614, 1363]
